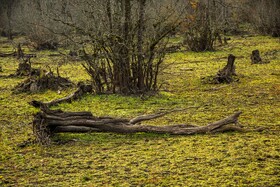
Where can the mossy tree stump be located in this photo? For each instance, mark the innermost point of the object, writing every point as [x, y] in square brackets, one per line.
[255, 57]
[225, 75]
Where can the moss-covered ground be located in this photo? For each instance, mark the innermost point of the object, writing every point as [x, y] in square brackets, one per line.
[106, 159]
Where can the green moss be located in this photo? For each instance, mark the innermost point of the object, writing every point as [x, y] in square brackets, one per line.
[144, 159]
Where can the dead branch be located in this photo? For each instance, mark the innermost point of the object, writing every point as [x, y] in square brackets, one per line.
[82, 89]
[13, 54]
[141, 118]
[48, 122]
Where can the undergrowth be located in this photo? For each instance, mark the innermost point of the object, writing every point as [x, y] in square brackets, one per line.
[143, 159]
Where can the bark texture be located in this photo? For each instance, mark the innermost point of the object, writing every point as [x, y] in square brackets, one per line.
[47, 122]
[42, 81]
[255, 57]
[82, 89]
[226, 74]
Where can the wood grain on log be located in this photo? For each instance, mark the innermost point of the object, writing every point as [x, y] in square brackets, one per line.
[48, 122]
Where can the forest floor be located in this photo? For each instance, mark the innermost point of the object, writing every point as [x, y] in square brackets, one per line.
[145, 159]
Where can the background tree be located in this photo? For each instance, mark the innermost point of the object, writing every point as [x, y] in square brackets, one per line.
[206, 22]
[264, 16]
[122, 42]
[6, 12]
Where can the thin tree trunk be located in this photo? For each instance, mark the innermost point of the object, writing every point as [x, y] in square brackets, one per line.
[124, 58]
[9, 15]
[140, 45]
[109, 15]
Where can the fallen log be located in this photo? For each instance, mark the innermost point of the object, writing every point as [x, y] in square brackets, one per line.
[48, 122]
[82, 89]
[17, 53]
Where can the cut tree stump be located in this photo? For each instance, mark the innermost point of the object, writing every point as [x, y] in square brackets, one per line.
[24, 67]
[226, 74]
[82, 89]
[41, 82]
[256, 58]
[48, 122]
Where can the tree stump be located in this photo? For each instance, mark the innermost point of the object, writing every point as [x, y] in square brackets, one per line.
[41, 82]
[24, 69]
[255, 57]
[225, 75]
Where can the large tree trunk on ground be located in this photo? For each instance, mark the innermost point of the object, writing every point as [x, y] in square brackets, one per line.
[47, 122]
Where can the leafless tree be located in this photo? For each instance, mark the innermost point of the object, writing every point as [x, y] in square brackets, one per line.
[122, 42]
[265, 16]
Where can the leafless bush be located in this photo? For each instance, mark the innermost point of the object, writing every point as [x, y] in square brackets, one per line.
[41, 39]
[263, 15]
[124, 46]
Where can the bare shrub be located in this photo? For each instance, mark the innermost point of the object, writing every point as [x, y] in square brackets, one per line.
[262, 15]
[41, 39]
[123, 54]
